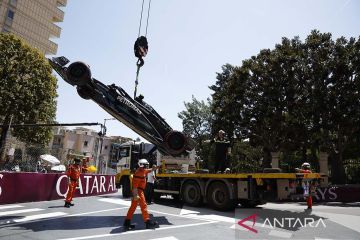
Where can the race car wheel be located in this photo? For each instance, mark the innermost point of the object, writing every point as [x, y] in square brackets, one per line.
[175, 142]
[78, 73]
[84, 93]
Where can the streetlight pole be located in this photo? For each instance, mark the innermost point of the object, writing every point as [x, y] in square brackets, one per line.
[102, 134]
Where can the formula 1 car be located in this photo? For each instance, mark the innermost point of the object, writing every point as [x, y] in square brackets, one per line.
[134, 113]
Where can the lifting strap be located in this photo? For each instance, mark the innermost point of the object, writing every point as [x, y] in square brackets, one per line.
[141, 46]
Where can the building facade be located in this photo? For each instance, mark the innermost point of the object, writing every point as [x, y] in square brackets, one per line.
[85, 142]
[34, 21]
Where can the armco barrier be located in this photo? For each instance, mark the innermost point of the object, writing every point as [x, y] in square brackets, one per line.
[32, 187]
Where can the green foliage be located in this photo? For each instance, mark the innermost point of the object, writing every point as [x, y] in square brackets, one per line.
[196, 121]
[27, 89]
[245, 158]
[352, 168]
[298, 97]
[293, 159]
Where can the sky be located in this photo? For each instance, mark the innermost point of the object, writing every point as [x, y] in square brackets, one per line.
[189, 42]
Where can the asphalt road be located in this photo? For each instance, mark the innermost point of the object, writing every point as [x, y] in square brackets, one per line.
[101, 217]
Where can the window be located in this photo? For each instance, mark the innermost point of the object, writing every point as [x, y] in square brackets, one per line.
[85, 143]
[13, 2]
[10, 14]
[6, 29]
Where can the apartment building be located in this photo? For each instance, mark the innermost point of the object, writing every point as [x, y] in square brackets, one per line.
[34, 21]
[85, 142]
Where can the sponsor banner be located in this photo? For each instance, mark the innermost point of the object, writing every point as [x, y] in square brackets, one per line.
[340, 193]
[332, 193]
[32, 187]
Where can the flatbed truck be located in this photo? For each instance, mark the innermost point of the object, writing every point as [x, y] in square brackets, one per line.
[225, 191]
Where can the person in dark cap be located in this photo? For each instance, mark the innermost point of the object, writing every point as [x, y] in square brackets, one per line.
[222, 152]
[73, 173]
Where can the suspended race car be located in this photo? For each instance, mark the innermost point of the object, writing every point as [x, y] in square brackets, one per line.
[134, 113]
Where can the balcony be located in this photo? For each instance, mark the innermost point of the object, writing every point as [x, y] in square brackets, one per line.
[61, 3]
[51, 48]
[55, 31]
[58, 16]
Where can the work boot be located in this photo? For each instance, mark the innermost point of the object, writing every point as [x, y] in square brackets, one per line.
[127, 225]
[67, 204]
[151, 224]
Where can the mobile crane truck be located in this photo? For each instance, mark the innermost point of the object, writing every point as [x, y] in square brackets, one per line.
[194, 187]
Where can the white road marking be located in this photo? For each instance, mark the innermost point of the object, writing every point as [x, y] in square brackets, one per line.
[116, 201]
[136, 231]
[346, 220]
[20, 211]
[40, 216]
[86, 213]
[191, 216]
[165, 238]
[12, 222]
[186, 211]
[10, 206]
[316, 238]
[281, 234]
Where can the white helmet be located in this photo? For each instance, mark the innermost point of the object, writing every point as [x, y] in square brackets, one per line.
[143, 162]
[305, 165]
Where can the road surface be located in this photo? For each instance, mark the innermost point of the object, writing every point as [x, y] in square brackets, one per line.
[101, 217]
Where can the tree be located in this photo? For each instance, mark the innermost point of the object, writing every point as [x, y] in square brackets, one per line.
[27, 90]
[298, 97]
[221, 106]
[196, 120]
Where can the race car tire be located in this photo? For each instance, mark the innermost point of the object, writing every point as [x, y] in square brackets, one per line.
[78, 73]
[84, 93]
[175, 142]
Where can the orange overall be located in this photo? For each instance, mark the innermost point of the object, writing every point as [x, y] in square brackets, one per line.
[308, 196]
[73, 173]
[139, 183]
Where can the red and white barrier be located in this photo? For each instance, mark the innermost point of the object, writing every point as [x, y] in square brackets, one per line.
[32, 187]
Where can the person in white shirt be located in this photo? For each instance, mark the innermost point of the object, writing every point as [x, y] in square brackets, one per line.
[149, 192]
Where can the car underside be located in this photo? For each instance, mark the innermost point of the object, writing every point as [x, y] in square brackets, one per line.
[134, 113]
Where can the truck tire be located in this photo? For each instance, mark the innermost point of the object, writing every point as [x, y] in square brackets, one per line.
[218, 197]
[78, 73]
[191, 194]
[126, 192]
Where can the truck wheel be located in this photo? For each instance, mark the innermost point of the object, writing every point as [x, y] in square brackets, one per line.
[218, 197]
[191, 194]
[78, 73]
[125, 182]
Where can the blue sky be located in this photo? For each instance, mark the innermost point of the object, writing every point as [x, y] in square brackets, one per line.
[189, 41]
